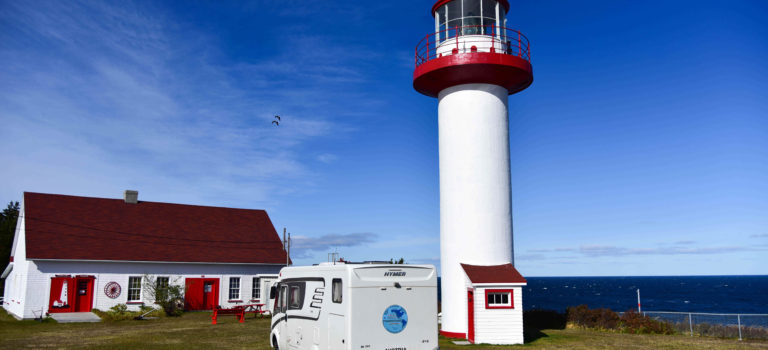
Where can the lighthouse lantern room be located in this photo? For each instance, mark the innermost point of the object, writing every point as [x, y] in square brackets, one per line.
[472, 63]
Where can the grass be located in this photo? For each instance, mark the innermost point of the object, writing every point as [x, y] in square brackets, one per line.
[194, 331]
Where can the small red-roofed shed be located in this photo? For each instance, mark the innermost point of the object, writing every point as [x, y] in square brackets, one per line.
[494, 303]
[74, 254]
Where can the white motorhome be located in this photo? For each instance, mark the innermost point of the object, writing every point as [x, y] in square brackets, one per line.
[335, 306]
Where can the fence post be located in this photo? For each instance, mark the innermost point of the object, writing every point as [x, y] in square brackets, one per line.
[738, 317]
[690, 323]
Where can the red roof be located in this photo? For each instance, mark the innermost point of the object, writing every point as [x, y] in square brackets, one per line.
[506, 273]
[85, 228]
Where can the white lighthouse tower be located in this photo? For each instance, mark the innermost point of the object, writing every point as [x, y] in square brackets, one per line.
[472, 63]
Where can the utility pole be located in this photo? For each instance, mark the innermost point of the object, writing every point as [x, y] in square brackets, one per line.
[286, 248]
[288, 256]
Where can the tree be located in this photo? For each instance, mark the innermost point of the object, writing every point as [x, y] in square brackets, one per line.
[393, 261]
[170, 296]
[8, 218]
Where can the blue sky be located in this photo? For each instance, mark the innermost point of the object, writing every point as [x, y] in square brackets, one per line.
[640, 149]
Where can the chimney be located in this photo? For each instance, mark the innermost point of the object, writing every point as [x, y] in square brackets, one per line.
[131, 197]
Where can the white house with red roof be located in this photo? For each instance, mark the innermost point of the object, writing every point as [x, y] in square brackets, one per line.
[74, 254]
[494, 304]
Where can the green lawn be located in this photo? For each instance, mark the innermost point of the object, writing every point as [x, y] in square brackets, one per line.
[194, 331]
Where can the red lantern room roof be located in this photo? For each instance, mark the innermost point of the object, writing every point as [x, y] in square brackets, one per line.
[439, 3]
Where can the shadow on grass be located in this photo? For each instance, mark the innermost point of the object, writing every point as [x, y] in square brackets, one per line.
[534, 321]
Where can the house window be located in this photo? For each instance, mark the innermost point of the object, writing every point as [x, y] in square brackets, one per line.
[161, 288]
[336, 290]
[161, 283]
[134, 288]
[256, 292]
[498, 299]
[234, 288]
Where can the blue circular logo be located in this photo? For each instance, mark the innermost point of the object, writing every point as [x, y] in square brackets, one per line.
[394, 319]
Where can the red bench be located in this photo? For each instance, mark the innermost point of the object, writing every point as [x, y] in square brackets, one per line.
[238, 311]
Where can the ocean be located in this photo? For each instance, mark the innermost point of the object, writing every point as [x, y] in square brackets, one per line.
[710, 294]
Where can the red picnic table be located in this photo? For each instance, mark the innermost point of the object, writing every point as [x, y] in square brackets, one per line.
[239, 312]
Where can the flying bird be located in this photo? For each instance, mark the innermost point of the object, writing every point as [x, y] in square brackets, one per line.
[277, 117]
[276, 123]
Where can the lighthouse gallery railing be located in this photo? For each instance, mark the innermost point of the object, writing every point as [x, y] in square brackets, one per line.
[463, 39]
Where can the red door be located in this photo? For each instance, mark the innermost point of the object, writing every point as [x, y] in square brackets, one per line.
[62, 294]
[84, 294]
[471, 316]
[201, 293]
[209, 299]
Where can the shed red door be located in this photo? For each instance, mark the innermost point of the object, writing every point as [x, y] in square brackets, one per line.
[84, 294]
[471, 316]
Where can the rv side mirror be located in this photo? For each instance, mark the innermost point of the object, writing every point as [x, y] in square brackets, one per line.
[272, 292]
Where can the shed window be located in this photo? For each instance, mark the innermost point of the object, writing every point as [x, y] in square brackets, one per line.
[498, 299]
[234, 288]
[134, 288]
[336, 290]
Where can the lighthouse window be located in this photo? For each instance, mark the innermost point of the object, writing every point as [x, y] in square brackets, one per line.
[489, 16]
[472, 17]
[442, 19]
[498, 299]
[453, 9]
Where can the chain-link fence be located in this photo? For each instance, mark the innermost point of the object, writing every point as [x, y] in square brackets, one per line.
[742, 326]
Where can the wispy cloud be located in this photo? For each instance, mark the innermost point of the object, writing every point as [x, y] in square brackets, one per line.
[327, 158]
[304, 246]
[685, 242]
[764, 235]
[597, 250]
[606, 250]
[108, 96]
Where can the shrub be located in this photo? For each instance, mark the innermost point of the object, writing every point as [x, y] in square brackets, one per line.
[629, 322]
[633, 322]
[600, 318]
[119, 309]
[169, 296]
[120, 312]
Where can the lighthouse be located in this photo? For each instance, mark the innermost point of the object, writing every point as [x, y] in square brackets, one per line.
[471, 64]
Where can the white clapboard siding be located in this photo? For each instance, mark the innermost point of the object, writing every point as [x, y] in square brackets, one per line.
[499, 326]
[35, 281]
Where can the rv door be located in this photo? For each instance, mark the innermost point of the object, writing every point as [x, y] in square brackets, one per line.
[281, 316]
